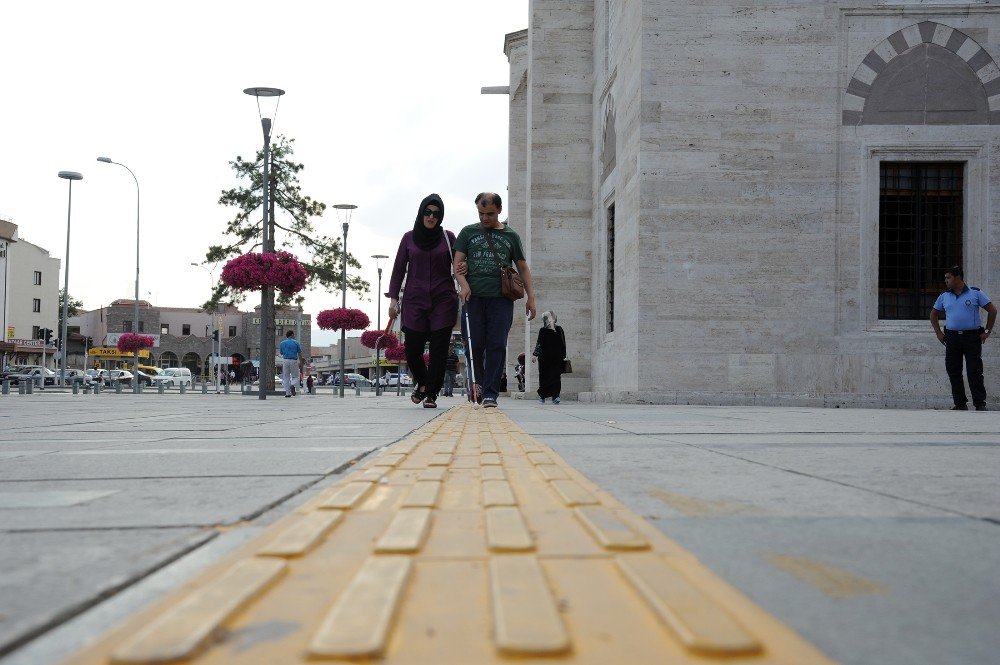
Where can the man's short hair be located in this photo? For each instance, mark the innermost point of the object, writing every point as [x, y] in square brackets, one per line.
[955, 271]
[490, 198]
[290, 333]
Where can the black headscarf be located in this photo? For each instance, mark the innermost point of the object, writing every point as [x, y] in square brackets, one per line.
[425, 238]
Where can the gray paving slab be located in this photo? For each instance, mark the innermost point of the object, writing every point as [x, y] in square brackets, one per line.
[96, 495]
[876, 539]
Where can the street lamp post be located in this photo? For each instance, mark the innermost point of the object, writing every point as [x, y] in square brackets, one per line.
[378, 325]
[347, 208]
[71, 176]
[267, 235]
[135, 372]
[212, 369]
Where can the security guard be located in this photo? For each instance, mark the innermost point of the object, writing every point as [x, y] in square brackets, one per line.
[964, 336]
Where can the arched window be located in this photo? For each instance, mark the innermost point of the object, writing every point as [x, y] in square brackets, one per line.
[168, 359]
[193, 362]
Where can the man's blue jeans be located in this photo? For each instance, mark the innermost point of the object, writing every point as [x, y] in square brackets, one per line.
[489, 324]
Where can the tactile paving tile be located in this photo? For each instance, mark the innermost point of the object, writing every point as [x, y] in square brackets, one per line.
[467, 542]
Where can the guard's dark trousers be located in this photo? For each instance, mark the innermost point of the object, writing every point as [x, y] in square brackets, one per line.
[969, 347]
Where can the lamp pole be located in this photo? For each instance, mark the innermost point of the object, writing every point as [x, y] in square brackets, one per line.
[135, 372]
[212, 369]
[267, 236]
[378, 325]
[347, 208]
[71, 176]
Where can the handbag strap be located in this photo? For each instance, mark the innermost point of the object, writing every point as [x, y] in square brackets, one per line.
[493, 247]
[565, 349]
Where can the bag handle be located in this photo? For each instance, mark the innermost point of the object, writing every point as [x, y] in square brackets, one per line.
[565, 348]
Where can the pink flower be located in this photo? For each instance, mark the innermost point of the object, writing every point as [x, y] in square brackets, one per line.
[342, 318]
[370, 338]
[130, 342]
[396, 353]
[253, 271]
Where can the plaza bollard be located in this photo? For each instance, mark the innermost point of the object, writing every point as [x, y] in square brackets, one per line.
[86, 389]
[118, 387]
[30, 387]
[204, 387]
[97, 388]
[225, 389]
[22, 388]
[159, 387]
[183, 387]
[6, 387]
[76, 388]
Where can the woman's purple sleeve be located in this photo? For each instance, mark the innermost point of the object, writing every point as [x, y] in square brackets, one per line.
[399, 268]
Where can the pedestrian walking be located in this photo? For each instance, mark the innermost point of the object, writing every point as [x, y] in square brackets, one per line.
[963, 336]
[429, 307]
[310, 383]
[290, 351]
[489, 248]
[550, 351]
[450, 371]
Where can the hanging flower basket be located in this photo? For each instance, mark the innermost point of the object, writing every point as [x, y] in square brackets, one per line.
[131, 343]
[371, 338]
[342, 318]
[253, 271]
[396, 353]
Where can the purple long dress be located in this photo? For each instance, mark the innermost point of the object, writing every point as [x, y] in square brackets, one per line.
[429, 301]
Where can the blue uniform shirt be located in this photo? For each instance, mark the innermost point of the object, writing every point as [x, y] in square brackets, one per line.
[962, 311]
[290, 349]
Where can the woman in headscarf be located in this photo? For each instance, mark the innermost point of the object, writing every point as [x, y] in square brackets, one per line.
[550, 350]
[429, 300]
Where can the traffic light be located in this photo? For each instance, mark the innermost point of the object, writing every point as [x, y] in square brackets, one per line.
[215, 335]
[48, 335]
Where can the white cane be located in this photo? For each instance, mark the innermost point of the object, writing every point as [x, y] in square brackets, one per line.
[470, 365]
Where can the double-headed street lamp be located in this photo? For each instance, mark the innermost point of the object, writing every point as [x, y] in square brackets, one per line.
[267, 292]
[135, 372]
[71, 176]
[344, 209]
[379, 258]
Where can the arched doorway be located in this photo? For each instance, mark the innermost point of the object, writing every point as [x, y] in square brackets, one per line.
[193, 362]
[168, 359]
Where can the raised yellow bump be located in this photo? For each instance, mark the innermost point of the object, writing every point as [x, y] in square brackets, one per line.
[699, 622]
[302, 535]
[388, 460]
[493, 473]
[526, 621]
[506, 530]
[440, 459]
[372, 475]
[489, 459]
[347, 496]
[424, 494]
[184, 630]
[539, 458]
[608, 530]
[552, 472]
[433, 473]
[572, 493]
[406, 532]
[498, 493]
[358, 624]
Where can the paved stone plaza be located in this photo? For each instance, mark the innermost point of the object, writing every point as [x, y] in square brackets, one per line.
[874, 534]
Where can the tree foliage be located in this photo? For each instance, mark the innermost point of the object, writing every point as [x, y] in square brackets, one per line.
[320, 255]
[73, 307]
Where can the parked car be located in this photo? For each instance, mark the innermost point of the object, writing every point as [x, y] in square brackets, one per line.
[107, 377]
[391, 380]
[32, 373]
[354, 380]
[173, 376]
[146, 379]
[77, 376]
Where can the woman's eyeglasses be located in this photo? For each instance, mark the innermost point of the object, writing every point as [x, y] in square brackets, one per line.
[432, 213]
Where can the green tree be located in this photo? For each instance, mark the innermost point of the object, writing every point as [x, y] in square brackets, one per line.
[320, 255]
[73, 307]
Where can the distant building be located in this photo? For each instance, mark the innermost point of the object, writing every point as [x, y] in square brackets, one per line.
[184, 334]
[30, 294]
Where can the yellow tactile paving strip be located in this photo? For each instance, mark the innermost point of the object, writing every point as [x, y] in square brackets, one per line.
[467, 542]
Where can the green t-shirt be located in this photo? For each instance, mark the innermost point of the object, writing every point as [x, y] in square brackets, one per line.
[484, 271]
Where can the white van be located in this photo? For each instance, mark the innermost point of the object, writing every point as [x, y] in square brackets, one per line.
[173, 376]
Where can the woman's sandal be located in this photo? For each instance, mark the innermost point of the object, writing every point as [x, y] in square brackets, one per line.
[417, 396]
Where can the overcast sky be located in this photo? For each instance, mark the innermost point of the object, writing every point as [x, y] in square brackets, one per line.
[383, 99]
